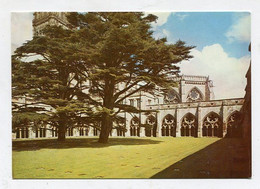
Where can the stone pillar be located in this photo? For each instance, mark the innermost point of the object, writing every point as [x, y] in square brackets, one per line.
[76, 131]
[142, 132]
[31, 133]
[178, 122]
[48, 131]
[127, 124]
[20, 132]
[200, 122]
[159, 124]
[142, 121]
[91, 131]
[114, 132]
[183, 92]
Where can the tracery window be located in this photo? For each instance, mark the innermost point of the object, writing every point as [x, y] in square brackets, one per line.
[233, 125]
[194, 95]
[150, 129]
[171, 97]
[120, 128]
[189, 125]
[134, 127]
[169, 126]
[212, 125]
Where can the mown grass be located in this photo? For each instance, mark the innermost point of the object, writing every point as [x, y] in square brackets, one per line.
[85, 158]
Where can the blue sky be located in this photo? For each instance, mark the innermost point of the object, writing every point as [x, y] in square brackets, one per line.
[206, 28]
[221, 40]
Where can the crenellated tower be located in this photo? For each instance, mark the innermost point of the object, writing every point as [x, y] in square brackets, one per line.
[42, 19]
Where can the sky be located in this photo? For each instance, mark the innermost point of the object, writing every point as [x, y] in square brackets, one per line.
[221, 40]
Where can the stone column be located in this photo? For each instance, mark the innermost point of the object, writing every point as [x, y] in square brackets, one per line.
[90, 132]
[114, 132]
[48, 131]
[183, 92]
[142, 132]
[127, 124]
[200, 122]
[20, 132]
[142, 121]
[159, 124]
[76, 131]
[31, 133]
[178, 123]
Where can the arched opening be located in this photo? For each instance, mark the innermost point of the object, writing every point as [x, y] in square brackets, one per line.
[120, 129]
[209, 131]
[182, 131]
[187, 131]
[189, 126]
[95, 131]
[212, 125]
[54, 132]
[151, 126]
[70, 131]
[204, 131]
[234, 128]
[163, 131]
[134, 127]
[192, 131]
[168, 126]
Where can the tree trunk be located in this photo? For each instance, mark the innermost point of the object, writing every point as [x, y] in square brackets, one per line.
[62, 131]
[105, 129]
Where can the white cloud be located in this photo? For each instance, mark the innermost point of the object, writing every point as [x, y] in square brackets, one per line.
[181, 17]
[21, 29]
[240, 30]
[227, 73]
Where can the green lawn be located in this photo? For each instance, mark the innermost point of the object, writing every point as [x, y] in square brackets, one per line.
[85, 158]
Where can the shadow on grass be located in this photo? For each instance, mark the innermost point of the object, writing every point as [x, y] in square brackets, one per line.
[29, 145]
[226, 158]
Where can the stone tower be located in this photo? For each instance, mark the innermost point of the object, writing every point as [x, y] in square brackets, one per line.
[42, 19]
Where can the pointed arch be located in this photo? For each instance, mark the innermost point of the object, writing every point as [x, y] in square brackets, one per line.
[172, 96]
[234, 128]
[212, 125]
[189, 125]
[195, 95]
[135, 126]
[168, 126]
[151, 126]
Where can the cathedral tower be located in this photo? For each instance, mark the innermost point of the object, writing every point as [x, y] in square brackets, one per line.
[42, 19]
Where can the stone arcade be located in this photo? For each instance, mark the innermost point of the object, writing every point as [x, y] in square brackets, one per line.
[184, 111]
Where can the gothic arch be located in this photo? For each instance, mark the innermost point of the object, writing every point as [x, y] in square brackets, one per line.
[151, 126]
[189, 125]
[212, 125]
[168, 126]
[120, 128]
[171, 97]
[234, 128]
[135, 126]
[195, 95]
